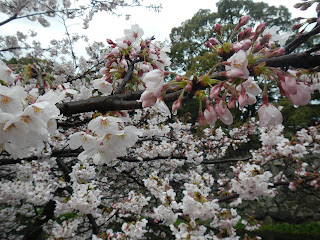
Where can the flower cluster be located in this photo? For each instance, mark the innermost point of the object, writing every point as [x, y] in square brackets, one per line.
[109, 139]
[34, 184]
[161, 189]
[135, 230]
[134, 203]
[252, 181]
[136, 56]
[21, 120]
[196, 201]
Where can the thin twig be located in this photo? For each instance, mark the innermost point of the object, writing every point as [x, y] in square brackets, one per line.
[301, 39]
[126, 79]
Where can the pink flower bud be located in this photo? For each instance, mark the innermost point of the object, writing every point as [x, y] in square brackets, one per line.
[269, 115]
[232, 102]
[260, 28]
[223, 112]
[109, 41]
[215, 90]
[202, 121]
[289, 84]
[148, 99]
[247, 33]
[213, 41]
[256, 48]
[234, 73]
[210, 115]
[177, 104]
[237, 46]
[246, 44]
[217, 28]
[240, 35]
[165, 87]
[297, 5]
[243, 98]
[279, 52]
[265, 39]
[305, 6]
[296, 27]
[188, 87]
[128, 42]
[244, 20]
[302, 96]
[221, 107]
[179, 78]
[208, 45]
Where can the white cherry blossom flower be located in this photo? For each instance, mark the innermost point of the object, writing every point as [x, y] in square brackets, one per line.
[11, 99]
[106, 125]
[103, 86]
[154, 80]
[269, 115]
[135, 33]
[239, 61]
[6, 74]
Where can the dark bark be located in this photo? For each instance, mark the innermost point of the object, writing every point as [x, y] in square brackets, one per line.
[295, 60]
[55, 153]
[46, 215]
[117, 102]
[126, 79]
[9, 19]
[301, 39]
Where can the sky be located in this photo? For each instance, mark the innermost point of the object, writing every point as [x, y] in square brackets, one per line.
[157, 24]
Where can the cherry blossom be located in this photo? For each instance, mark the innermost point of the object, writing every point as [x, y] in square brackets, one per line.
[103, 86]
[302, 95]
[269, 115]
[11, 99]
[6, 74]
[239, 61]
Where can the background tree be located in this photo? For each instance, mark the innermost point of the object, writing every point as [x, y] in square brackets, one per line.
[189, 53]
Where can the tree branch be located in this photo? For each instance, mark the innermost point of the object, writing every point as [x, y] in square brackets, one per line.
[116, 102]
[219, 161]
[55, 153]
[9, 19]
[296, 60]
[48, 213]
[129, 159]
[126, 78]
[301, 39]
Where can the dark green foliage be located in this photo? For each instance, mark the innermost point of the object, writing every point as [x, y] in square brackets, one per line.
[311, 228]
[295, 118]
[230, 11]
[193, 34]
[189, 53]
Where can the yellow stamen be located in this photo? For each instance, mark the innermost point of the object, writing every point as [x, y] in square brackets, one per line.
[4, 99]
[105, 122]
[37, 110]
[26, 119]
